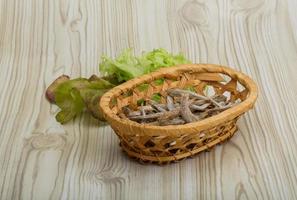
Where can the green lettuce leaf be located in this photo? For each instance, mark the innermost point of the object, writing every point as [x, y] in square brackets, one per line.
[124, 67]
[72, 96]
[128, 66]
[76, 95]
[71, 104]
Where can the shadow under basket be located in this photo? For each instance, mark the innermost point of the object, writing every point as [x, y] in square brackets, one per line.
[164, 144]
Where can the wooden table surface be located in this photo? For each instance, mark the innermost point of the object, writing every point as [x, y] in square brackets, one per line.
[40, 40]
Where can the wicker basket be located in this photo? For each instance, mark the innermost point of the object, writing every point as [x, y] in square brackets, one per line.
[163, 144]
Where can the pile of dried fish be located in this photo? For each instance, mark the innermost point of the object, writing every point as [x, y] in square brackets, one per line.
[182, 106]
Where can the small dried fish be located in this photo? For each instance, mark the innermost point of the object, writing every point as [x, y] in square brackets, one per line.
[142, 111]
[200, 102]
[148, 108]
[182, 106]
[170, 115]
[164, 106]
[193, 95]
[200, 108]
[179, 92]
[159, 107]
[148, 116]
[214, 102]
[186, 113]
[170, 103]
[128, 112]
[154, 115]
[219, 98]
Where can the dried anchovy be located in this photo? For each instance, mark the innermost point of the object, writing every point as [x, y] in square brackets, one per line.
[200, 108]
[219, 98]
[199, 102]
[214, 102]
[142, 111]
[148, 116]
[127, 111]
[159, 107]
[170, 115]
[147, 108]
[154, 115]
[170, 103]
[182, 106]
[192, 94]
[179, 92]
[186, 113]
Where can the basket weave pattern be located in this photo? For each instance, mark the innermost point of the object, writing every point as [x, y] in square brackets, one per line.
[163, 144]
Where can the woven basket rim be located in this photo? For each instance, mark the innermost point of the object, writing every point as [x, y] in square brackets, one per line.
[212, 121]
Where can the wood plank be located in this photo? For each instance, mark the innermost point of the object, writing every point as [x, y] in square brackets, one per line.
[40, 40]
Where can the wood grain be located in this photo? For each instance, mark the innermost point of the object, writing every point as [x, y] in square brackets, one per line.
[39, 40]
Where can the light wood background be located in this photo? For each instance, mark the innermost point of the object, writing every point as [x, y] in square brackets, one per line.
[41, 39]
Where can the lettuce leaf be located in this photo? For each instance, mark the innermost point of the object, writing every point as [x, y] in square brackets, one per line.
[72, 96]
[125, 67]
[76, 95]
[128, 66]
